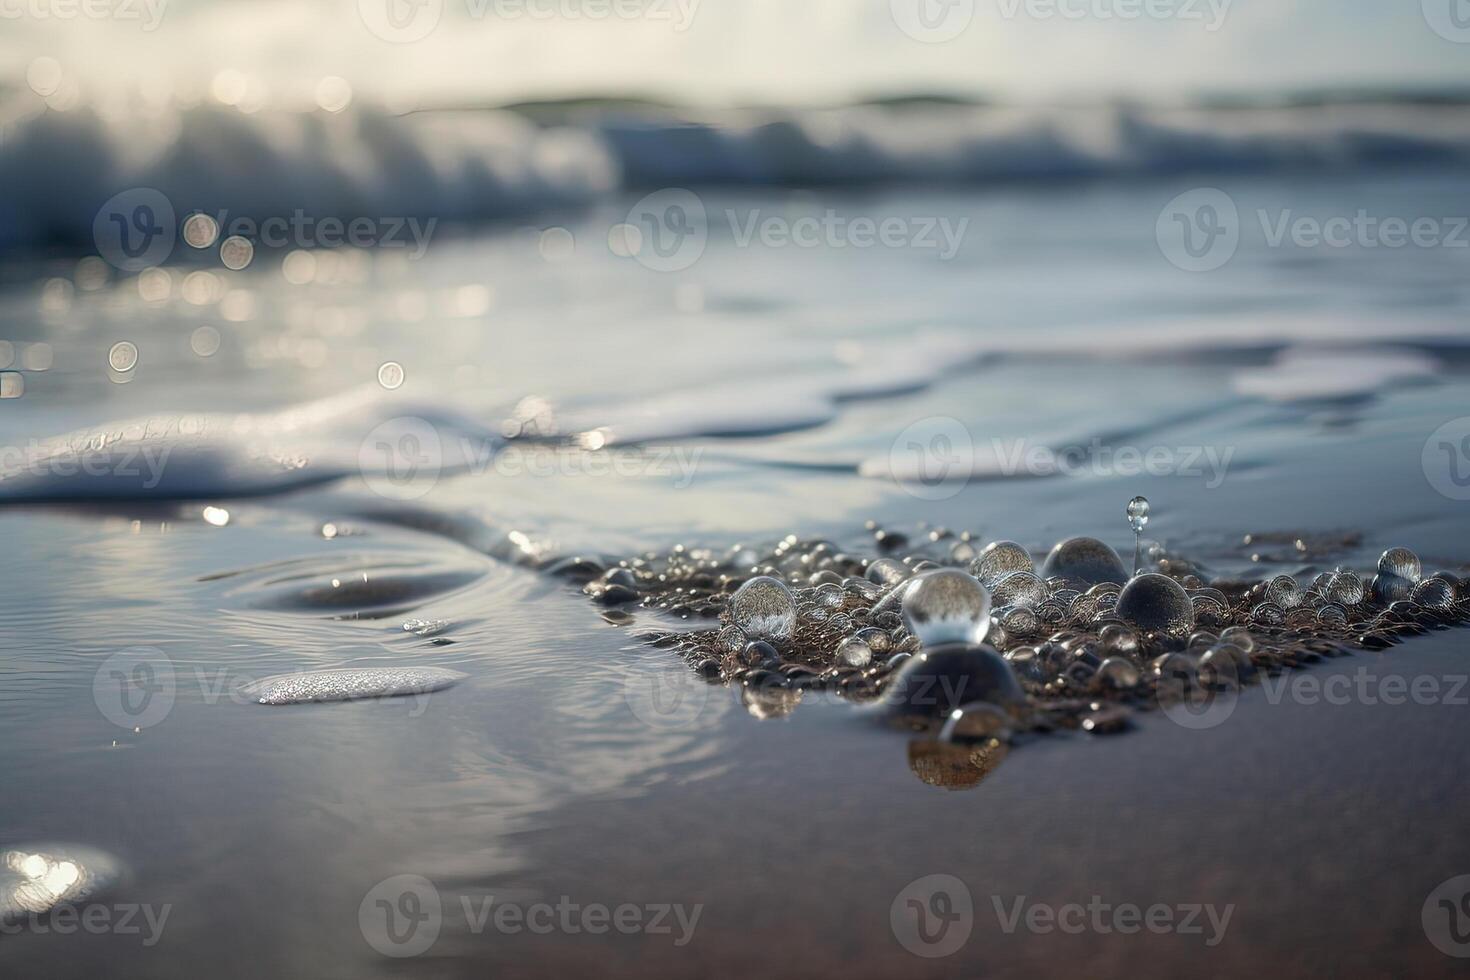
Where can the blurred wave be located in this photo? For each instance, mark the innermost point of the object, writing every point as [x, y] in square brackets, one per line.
[477, 164]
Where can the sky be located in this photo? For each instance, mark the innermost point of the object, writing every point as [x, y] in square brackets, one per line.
[736, 51]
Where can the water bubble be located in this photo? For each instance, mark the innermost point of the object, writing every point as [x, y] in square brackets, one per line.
[936, 682]
[123, 356]
[1018, 589]
[1118, 638]
[1209, 611]
[1344, 587]
[1389, 589]
[854, 652]
[1401, 563]
[1118, 673]
[1084, 562]
[1019, 621]
[235, 252]
[1000, 558]
[1268, 614]
[946, 606]
[1138, 514]
[976, 721]
[1332, 615]
[1157, 604]
[1434, 593]
[1240, 638]
[1284, 592]
[764, 609]
[886, 572]
[391, 375]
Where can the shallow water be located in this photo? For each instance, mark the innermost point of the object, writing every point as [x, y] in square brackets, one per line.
[544, 773]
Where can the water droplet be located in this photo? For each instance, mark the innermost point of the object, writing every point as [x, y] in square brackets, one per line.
[764, 609]
[854, 652]
[1019, 589]
[1117, 638]
[1434, 593]
[1284, 592]
[1084, 562]
[1138, 514]
[391, 375]
[1157, 604]
[976, 721]
[1118, 673]
[1345, 587]
[887, 572]
[1000, 558]
[123, 356]
[936, 682]
[946, 606]
[1401, 563]
[1240, 638]
[1019, 621]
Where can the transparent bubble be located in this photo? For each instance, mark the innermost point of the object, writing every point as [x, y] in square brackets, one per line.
[854, 652]
[946, 606]
[1401, 563]
[764, 609]
[1240, 638]
[1157, 604]
[200, 230]
[391, 375]
[1084, 562]
[1018, 589]
[980, 720]
[1268, 614]
[1434, 593]
[886, 572]
[1019, 621]
[1209, 611]
[1284, 592]
[1389, 589]
[236, 253]
[123, 356]
[1118, 673]
[1345, 587]
[1117, 638]
[204, 341]
[1332, 615]
[1000, 558]
[1138, 514]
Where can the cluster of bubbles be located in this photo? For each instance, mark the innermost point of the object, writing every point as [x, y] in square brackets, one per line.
[1084, 640]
